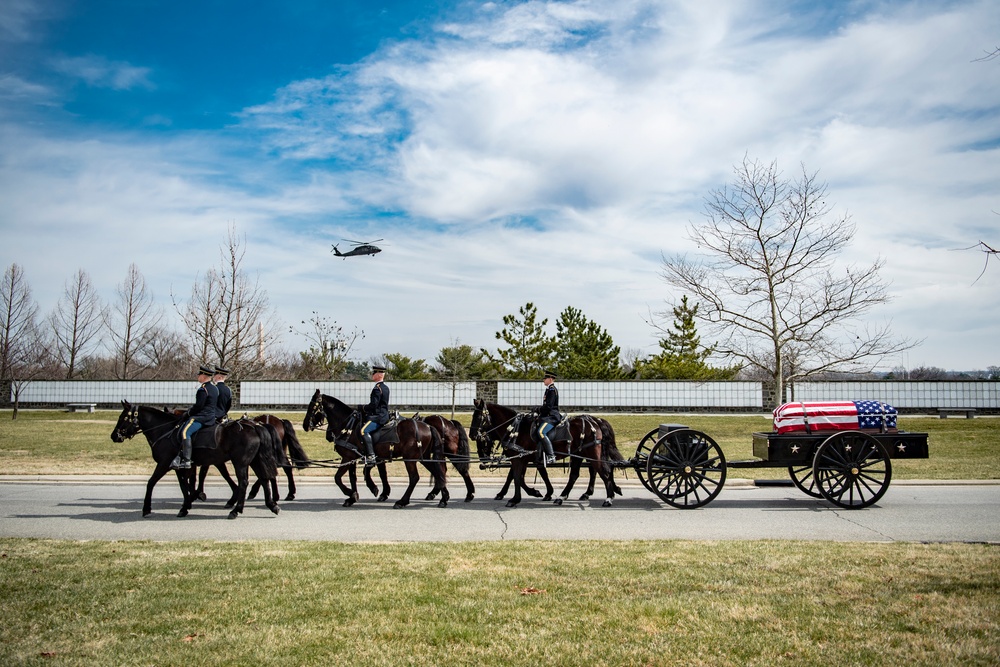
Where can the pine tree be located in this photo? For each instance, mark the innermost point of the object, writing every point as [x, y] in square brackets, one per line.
[584, 349]
[529, 349]
[682, 355]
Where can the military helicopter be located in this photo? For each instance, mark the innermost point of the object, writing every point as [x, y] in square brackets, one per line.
[360, 248]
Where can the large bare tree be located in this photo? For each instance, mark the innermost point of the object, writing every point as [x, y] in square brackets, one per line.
[229, 318]
[133, 322]
[766, 284]
[329, 345]
[76, 322]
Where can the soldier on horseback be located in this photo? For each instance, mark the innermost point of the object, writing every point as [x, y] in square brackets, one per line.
[202, 413]
[548, 417]
[225, 394]
[376, 413]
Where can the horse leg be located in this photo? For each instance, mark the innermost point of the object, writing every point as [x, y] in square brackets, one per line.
[439, 475]
[517, 469]
[291, 482]
[574, 474]
[369, 482]
[590, 484]
[254, 489]
[414, 477]
[243, 475]
[506, 484]
[339, 479]
[233, 486]
[435, 475]
[383, 475]
[186, 478]
[270, 488]
[158, 473]
[201, 483]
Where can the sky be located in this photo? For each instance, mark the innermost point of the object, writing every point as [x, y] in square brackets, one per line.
[506, 152]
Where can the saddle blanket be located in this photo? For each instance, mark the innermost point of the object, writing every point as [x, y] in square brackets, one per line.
[805, 417]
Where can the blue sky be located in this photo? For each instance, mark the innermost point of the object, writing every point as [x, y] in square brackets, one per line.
[506, 152]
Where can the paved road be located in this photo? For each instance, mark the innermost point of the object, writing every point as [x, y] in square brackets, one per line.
[110, 509]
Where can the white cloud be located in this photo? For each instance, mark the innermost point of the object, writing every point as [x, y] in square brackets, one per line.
[99, 72]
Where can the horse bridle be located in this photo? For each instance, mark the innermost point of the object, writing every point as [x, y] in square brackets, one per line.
[133, 420]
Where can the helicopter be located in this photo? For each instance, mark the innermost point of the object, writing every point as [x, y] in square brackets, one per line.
[360, 248]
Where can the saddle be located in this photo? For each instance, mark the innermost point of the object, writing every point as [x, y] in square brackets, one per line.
[558, 434]
[204, 438]
[387, 432]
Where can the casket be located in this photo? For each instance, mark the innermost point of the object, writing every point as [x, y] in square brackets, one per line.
[816, 416]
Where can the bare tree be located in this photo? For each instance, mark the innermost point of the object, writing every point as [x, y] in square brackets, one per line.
[23, 354]
[133, 321]
[766, 285]
[76, 322]
[229, 318]
[989, 251]
[329, 345]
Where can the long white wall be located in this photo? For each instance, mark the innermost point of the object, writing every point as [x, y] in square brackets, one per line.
[646, 394]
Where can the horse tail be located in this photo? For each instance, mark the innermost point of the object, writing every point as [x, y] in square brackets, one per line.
[437, 443]
[265, 457]
[464, 453]
[609, 447]
[279, 451]
[296, 453]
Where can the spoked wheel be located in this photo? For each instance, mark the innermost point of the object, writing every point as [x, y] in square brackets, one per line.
[686, 469]
[852, 469]
[803, 478]
[642, 457]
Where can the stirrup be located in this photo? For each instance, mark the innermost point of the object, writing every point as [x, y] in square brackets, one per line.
[369, 461]
[180, 463]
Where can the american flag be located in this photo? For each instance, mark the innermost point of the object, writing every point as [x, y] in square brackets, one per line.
[833, 416]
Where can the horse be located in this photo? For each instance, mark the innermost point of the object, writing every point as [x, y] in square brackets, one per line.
[417, 441]
[455, 447]
[492, 423]
[244, 443]
[289, 454]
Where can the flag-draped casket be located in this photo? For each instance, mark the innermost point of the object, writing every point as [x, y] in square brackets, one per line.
[810, 416]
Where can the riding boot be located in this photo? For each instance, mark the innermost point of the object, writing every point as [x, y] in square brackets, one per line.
[369, 457]
[550, 455]
[183, 459]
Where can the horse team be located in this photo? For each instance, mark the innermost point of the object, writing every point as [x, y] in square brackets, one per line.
[265, 443]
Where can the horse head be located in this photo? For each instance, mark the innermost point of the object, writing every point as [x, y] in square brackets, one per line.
[315, 416]
[127, 425]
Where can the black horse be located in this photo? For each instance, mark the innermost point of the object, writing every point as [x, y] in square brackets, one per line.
[289, 454]
[585, 439]
[455, 447]
[414, 442]
[243, 442]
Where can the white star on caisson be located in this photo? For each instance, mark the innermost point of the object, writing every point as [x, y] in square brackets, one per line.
[795, 449]
[901, 447]
[847, 448]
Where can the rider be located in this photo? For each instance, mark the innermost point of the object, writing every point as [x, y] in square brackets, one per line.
[376, 412]
[225, 394]
[202, 413]
[548, 417]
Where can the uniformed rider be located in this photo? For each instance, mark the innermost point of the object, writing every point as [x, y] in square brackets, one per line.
[376, 413]
[201, 414]
[225, 394]
[548, 417]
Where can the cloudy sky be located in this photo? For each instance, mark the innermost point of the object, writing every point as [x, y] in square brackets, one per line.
[505, 151]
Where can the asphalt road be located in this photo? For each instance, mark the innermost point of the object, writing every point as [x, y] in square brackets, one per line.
[110, 509]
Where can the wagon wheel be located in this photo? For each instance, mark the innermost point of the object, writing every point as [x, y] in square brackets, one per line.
[803, 478]
[852, 469]
[642, 456]
[686, 469]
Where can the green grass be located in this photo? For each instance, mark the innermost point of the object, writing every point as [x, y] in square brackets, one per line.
[519, 603]
[55, 442]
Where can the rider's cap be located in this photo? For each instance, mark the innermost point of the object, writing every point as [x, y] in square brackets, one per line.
[550, 374]
[219, 370]
[205, 370]
[378, 369]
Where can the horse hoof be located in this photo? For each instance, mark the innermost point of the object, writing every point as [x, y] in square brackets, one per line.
[182, 513]
[251, 496]
[230, 504]
[585, 496]
[349, 502]
[499, 496]
[557, 501]
[511, 503]
[382, 499]
[290, 496]
[534, 493]
[202, 496]
[275, 509]
[547, 497]
[430, 496]
[399, 504]
[442, 503]
[146, 513]
[233, 514]
[606, 503]
[469, 498]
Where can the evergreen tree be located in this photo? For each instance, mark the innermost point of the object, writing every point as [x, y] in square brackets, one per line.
[682, 355]
[584, 349]
[529, 350]
[404, 368]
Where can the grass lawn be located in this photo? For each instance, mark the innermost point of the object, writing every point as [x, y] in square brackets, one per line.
[55, 442]
[517, 603]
